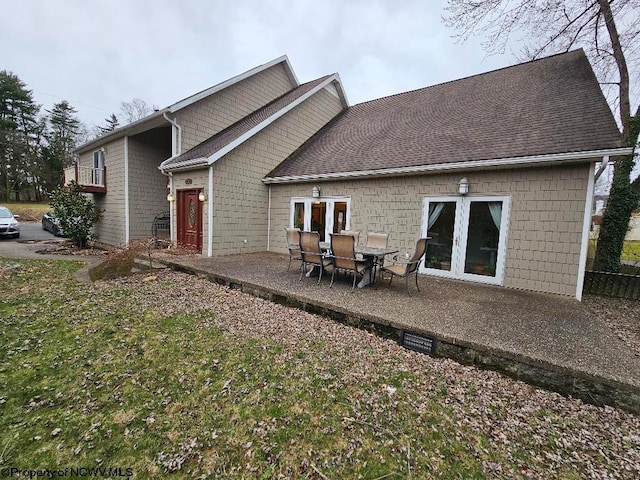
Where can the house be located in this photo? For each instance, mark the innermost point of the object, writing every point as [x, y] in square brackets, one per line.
[207, 149]
[498, 168]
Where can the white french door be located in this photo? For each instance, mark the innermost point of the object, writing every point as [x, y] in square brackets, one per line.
[323, 215]
[468, 237]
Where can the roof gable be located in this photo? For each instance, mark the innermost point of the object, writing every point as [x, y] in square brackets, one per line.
[549, 106]
[185, 102]
[223, 142]
[159, 117]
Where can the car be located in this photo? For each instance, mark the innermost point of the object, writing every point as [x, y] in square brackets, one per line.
[51, 223]
[9, 226]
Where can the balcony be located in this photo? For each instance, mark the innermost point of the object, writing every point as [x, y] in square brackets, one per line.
[92, 180]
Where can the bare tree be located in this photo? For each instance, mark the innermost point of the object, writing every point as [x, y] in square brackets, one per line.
[135, 110]
[608, 31]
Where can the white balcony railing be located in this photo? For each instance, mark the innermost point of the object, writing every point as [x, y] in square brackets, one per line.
[93, 178]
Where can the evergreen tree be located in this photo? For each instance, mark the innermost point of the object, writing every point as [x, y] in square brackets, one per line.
[112, 124]
[64, 128]
[18, 137]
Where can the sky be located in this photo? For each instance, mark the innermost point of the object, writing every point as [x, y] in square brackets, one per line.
[96, 54]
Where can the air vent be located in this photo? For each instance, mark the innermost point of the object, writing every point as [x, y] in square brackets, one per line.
[418, 343]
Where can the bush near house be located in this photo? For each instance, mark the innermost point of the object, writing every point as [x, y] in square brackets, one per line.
[76, 213]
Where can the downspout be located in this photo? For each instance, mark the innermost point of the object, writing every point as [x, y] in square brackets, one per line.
[269, 222]
[210, 214]
[176, 149]
[172, 232]
[126, 190]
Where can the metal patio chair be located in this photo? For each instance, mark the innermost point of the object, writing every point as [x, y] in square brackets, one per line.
[312, 254]
[406, 268]
[343, 257]
[293, 244]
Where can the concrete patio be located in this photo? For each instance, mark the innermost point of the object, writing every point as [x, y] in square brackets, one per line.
[545, 340]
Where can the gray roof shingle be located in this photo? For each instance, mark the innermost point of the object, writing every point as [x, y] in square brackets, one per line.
[551, 105]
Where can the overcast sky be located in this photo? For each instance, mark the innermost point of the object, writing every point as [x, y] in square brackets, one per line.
[98, 53]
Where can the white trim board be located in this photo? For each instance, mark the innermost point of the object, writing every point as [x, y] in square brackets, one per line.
[586, 224]
[534, 160]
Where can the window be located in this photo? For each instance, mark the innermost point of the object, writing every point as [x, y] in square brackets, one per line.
[97, 176]
[322, 215]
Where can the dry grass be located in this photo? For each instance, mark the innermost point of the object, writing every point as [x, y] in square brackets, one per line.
[29, 212]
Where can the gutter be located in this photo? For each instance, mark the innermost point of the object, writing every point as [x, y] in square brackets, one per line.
[184, 165]
[533, 160]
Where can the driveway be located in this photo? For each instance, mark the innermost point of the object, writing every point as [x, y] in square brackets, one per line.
[32, 238]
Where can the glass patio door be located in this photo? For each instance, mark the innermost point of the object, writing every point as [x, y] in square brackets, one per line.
[468, 237]
[325, 216]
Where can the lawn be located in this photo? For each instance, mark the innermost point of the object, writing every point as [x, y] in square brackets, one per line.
[174, 374]
[29, 212]
[631, 251]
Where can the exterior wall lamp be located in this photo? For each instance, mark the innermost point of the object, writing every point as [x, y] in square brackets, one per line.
[463, 186]
[315, 192]
[170, 197]
[202, 196]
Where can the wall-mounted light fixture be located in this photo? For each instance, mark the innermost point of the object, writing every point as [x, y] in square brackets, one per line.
[463, 186]
[170, 197]
[315, 192]
[202, 196]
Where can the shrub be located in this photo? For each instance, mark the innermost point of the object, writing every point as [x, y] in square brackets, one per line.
[76, 213]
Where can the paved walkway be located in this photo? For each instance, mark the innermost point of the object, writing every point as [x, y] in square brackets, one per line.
[521, 331]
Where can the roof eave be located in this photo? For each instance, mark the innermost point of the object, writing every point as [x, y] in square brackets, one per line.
[533, 160]
[190, 164]
[129, 129]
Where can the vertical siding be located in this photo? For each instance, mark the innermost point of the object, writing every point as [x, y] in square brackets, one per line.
[147, 185]
[545, 228]
[240, 197]
[213, 114]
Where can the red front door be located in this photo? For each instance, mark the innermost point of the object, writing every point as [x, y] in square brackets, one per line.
[189, 220]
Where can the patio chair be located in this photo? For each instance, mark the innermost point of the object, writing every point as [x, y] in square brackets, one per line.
[344, 258]
[293, 244]
[354, 233]
[406, 268]
[312, 254]
[377, 240]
